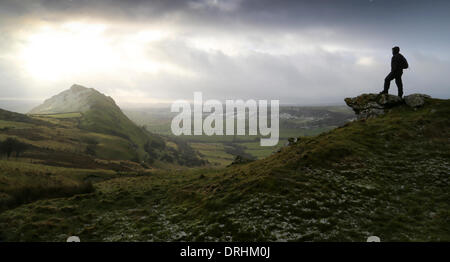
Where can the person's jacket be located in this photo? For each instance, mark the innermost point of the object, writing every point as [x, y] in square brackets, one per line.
[398, 63]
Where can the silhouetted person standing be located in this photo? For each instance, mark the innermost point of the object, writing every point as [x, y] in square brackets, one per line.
[398, 63]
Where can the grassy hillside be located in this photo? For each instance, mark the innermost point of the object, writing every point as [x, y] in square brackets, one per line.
[105, 117]
[386, 176]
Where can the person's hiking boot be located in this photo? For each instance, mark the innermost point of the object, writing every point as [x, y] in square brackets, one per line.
[383, 93]
[400, 95]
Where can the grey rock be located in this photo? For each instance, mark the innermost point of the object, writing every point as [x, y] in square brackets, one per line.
[415, 100]
[371, 112]
[386, 100]
[373, 105]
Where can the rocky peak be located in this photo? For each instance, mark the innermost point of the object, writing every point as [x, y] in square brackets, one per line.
[372, 105]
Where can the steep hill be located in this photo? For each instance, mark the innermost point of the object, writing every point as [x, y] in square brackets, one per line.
[100, 114]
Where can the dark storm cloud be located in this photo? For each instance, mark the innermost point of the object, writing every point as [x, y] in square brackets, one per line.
[268, 12]
[385, 19]
[359, 20]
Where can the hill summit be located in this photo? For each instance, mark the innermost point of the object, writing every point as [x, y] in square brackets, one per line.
[76, 99]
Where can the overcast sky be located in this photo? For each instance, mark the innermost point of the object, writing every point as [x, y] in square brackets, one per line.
[300, 52]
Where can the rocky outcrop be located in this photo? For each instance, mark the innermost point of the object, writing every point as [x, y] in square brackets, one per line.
[372, 105]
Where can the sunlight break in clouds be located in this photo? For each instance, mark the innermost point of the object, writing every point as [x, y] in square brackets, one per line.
[54, 52]
[72, 48]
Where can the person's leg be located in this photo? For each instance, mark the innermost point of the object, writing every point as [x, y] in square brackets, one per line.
[387, 82]
[399, 83]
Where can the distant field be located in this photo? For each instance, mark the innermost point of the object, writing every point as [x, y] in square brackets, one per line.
[258, 151]
[63, 115]
[13, 124]
[209, 145]
[214, 153]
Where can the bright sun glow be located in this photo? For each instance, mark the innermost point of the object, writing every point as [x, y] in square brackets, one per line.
[366, 61]
[75, 49]
[72, 48]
